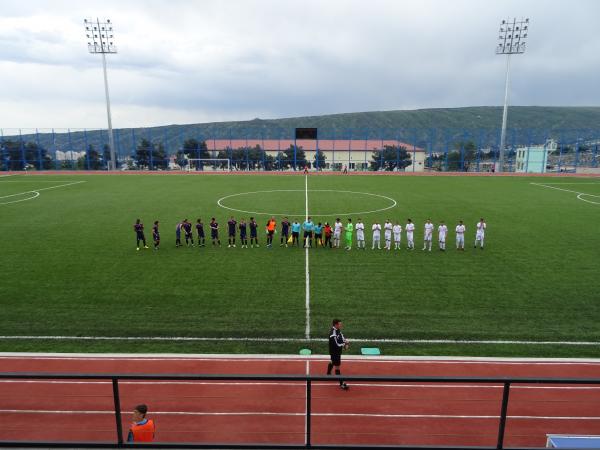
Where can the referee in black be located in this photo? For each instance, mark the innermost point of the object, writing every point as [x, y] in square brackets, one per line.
[337, 344]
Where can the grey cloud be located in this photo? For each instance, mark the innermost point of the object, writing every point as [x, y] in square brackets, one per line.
[242, 59]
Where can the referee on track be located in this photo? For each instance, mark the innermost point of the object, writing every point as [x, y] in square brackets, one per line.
[337, 344]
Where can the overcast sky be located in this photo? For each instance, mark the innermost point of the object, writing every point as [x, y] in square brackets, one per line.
[209, 60]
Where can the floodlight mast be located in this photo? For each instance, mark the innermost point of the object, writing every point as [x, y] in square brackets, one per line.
[511, 41]
[100, 40]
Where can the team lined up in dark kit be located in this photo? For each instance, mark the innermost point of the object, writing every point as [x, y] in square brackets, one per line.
[245, 229]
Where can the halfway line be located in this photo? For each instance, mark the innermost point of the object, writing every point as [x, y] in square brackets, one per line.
[307, 298]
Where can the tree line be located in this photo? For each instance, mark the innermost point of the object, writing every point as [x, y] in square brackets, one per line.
[14, 155]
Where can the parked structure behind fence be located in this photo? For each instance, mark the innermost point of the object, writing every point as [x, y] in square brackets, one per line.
[407, 150]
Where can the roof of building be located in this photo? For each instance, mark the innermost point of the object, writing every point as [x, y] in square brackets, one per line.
[323, 144]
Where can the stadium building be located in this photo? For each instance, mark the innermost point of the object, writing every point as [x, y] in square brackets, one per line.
[534, 159]
[338, 153]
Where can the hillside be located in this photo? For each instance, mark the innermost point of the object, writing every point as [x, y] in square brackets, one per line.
[526, 123]
[471, 118]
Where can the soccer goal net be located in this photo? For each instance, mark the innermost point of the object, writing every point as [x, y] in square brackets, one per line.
[194, 165]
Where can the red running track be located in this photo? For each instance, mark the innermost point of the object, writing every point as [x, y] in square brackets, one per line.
[266, 412]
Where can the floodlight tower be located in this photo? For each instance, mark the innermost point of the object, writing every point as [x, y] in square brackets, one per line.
[511, 41]
[100, 40]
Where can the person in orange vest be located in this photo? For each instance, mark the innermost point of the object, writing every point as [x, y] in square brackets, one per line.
[142, 429]
[271, 225]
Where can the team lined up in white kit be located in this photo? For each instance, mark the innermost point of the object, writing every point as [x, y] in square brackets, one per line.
[395, 231]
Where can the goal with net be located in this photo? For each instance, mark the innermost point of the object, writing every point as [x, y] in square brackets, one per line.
[200, 164]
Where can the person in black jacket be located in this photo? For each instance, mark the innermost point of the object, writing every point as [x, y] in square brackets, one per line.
[337, 344]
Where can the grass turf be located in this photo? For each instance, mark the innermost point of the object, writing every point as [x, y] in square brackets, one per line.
[69, 265]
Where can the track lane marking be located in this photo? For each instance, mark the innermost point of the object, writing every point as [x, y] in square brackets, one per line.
[299, 384]
[272, 413]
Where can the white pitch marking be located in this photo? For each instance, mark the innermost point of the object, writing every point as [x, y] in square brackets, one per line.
[588, 201]
[565, 190]
[169, 357]
[220, 202]
[307, 296]
[19, 193]
[35, 195]
[270, 339]
[33, 180]
[579, 194]
[297, 358]
[559, 184]
[36, 191]
[61, 185]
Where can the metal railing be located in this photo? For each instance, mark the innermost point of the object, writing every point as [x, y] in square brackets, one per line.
[398, 150]
[308, 380]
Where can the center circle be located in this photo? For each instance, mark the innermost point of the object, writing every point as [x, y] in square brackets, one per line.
[391, 203]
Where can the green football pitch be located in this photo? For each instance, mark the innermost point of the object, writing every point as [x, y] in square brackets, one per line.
[69, 266]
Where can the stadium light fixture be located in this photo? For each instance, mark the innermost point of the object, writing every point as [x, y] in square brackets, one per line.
[100, 40]
[512, 40]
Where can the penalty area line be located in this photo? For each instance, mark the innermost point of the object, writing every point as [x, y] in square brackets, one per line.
[564, 190]
[35, 192]
[299, 340]
[579, 193]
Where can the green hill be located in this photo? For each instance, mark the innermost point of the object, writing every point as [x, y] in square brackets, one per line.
[375, 123]
[435, 127]
[471, 118]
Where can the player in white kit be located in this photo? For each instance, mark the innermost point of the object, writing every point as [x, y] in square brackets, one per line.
[480, 234]
[442, 232]
[337, 232]
[360, 234]
[387, 226]
[376, 236]
[428, 234]
[397, 230]
[460, 236]
[410, 228]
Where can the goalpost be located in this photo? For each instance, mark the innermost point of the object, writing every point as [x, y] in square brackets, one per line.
[195, 164]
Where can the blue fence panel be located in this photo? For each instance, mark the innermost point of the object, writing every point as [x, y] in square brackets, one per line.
[385, 149]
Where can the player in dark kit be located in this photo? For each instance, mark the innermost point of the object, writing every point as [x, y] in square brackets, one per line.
[189, 236]
[231, 232]
[337, 344]
[138, 227]
[200, 231]
[285, 232]
[243, 233]
[253, 232]
[178, 234]
[214, 232]
[327, 231]
[156, 235]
